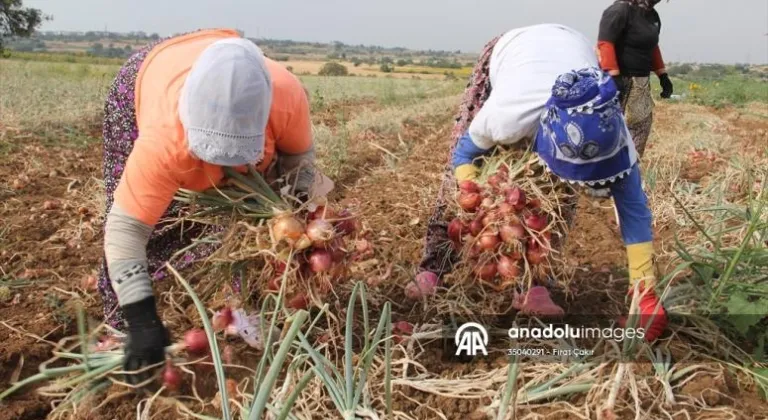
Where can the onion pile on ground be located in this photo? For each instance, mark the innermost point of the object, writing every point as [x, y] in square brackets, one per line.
[503, 225]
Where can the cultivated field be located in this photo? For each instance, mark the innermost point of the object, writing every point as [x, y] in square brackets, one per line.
[385, 142]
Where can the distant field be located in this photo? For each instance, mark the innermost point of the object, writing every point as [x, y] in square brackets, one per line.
[44, 96]
[301, 67]
[728, 90]
[402, 72]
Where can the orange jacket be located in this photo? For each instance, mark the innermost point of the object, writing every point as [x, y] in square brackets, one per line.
[160, 162]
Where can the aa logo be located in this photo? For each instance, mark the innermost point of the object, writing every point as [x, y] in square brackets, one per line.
[471, 338]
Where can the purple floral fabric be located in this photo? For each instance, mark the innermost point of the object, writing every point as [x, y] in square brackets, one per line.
[120, 130]
[439, 256]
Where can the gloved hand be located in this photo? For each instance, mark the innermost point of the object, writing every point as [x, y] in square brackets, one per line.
[147, 340]
[621, 87]
[649, 306]
[466, 172]
[666, 86]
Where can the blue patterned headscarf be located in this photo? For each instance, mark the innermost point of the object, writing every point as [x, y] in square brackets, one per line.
[583, 137]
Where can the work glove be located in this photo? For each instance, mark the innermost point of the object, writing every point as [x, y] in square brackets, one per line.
[147, 340]
[666, 86]
[467, 172]
[621, 87]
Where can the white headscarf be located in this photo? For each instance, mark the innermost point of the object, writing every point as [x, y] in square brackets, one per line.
[225, 102]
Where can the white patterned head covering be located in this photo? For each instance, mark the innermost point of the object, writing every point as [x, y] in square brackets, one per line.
[583, 137]
[225, 101]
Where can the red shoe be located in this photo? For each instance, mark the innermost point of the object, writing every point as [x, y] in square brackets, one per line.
[537, 302]
[424, 285]
[649, 306]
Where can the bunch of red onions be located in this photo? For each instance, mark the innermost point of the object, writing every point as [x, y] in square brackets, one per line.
[499, 229]
[196, 344]
[321, 240]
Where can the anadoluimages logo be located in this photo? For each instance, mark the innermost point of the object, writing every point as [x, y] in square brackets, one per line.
[471, 338]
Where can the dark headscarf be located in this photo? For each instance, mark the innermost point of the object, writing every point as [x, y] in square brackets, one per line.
[644, 4]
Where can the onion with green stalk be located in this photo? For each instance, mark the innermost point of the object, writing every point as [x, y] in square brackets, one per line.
[267, 226]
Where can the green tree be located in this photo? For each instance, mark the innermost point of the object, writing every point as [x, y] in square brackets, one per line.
[17, 20]
[333, 68]
[385, 68]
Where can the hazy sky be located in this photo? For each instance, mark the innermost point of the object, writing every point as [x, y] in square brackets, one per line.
[692, 30]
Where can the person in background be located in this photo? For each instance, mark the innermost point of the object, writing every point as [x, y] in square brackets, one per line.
[179, 111]
[578, 131]
[628, 50]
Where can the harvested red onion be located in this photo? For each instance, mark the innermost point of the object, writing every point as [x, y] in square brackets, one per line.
[424, 285]
[298, 301]
[511, 233]
[322, 212]
[495, 181]
[469, 186]
[489, 241]
[475, 227]
[516, 197]
[506, 209]
[320, 260]
[508, 268]
[196, 342]
[536, 221]
[346, 223]
[320, 231]
[171, 376]
[486, 272]
[456, 230]
[469, 201]
[222, 319]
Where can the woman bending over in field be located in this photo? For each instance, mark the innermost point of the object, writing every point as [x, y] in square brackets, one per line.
[178, 111]
[578, 132]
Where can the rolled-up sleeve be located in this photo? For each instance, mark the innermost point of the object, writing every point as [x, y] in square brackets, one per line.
[612, 26]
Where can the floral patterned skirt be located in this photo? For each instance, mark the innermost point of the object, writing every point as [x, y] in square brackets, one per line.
[120, 130]
[638, 110]
[439, 255]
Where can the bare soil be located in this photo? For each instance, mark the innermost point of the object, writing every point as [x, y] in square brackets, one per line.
[56, 249]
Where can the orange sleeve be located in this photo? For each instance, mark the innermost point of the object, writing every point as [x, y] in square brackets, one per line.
[148, 185]
[296, 136]
[607, 55]
[658, 60]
